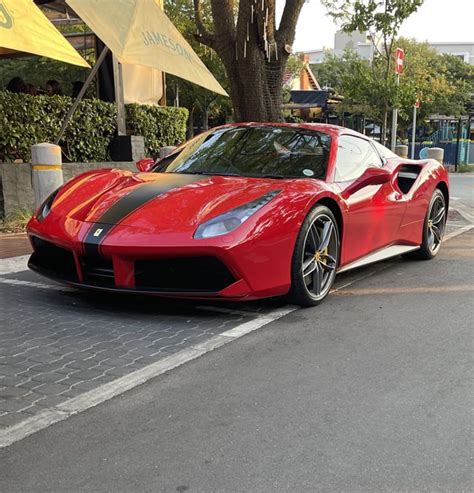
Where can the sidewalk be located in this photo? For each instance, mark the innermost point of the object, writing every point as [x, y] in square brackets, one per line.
[13, 245]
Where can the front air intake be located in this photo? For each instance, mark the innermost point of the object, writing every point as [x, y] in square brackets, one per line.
[53, 260]
[185, 274]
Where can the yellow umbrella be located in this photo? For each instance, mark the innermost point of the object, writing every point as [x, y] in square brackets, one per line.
[139, 33]
[23, 27]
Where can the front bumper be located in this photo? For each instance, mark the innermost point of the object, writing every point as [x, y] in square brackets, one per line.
[135, 262]
[203, 277]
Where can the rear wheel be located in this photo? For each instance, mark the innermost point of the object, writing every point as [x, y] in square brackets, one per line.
[433, 228]
[315, 258]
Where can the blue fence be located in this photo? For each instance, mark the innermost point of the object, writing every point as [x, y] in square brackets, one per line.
[449, 151]
[446, 138]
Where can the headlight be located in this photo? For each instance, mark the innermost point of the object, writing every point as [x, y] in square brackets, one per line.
[45, 208]
[227, 222]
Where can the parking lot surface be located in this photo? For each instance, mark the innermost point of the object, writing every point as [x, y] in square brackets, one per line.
[370, 391]
[57, 343]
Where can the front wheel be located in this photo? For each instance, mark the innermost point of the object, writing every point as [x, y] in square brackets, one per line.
[315, 259]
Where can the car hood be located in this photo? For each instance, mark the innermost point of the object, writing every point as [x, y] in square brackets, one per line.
[171, 201]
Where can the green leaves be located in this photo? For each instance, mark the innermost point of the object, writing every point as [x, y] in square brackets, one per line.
[443, 83]
[378, 16]
[26, 120]
[160, 126]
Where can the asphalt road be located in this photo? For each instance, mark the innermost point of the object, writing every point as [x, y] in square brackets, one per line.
[462, 193]
[370, 391]
[462, 186]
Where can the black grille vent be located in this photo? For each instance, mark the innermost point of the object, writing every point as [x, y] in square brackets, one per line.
[51, 259]
[98, 271]
[188, 274]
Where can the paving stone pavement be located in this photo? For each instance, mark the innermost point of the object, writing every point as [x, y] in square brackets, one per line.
[57, 342]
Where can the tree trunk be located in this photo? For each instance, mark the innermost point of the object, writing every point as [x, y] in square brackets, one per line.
[190, 124]
[205, 118]
[254, 52]
[256, 86]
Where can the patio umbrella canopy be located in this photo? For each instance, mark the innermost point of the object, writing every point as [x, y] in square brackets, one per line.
[24, 28]
[139, 33]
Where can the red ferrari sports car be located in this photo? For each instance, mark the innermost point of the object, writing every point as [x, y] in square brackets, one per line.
[243, 211]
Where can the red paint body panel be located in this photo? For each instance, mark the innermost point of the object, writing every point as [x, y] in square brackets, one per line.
[258, 253]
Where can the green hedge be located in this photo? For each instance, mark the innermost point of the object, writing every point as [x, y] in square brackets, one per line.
[160, 126]
[26, 120]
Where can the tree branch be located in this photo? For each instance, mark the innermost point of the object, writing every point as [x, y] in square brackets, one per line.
[375, 43]
[291, 12]
[203, 35]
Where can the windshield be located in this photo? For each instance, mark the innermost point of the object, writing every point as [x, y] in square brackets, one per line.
[257, 151]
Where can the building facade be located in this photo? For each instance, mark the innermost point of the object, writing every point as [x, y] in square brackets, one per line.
[464, 51]
[355, 41]
[362, 45]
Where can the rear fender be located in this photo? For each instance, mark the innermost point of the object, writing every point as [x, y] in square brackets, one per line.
[432, 175]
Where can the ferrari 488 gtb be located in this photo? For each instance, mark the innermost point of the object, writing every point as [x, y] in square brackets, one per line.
[243, 211]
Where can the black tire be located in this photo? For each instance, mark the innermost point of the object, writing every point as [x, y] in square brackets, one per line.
[433, 228]
[319, 232]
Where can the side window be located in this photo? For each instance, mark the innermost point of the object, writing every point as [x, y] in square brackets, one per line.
[354, 155]
[383, 151]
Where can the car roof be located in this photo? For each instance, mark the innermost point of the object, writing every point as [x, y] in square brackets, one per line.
[321, 127]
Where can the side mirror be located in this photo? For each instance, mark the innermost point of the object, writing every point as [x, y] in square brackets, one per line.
[371, 176]
[376, 176]
[145, 165]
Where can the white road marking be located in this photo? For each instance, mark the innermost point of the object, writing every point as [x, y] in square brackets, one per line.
[14, 264]
[458, 232]
[31, 284]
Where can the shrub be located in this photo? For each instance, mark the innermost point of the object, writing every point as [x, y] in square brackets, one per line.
[26, 120]
[160, 126]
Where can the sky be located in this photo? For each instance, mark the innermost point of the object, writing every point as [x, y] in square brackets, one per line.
[435, 21]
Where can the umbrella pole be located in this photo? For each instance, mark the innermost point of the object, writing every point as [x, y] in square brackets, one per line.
[83, 90]
[119, 97]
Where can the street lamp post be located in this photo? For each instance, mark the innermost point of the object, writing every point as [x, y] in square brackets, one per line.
[399, 56]
[413, 133]
[393, 140]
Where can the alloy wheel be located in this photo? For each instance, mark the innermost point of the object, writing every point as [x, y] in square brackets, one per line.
[436, 224]
[319, 258]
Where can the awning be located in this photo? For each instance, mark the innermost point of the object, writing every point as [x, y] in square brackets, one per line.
[138, 32]
[310, 99]
[24, 28]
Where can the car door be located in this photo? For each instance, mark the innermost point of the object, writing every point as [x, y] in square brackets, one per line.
[374, 212]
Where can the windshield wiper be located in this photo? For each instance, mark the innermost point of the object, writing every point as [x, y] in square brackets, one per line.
[208, 173]
[276, 177]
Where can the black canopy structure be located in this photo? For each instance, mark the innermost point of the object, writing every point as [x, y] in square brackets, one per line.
[313, 104]
[309, 98]
[305, 99]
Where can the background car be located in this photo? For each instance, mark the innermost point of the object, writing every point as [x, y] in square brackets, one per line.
[243, 211]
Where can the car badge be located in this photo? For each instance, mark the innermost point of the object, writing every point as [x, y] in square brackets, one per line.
[98, 231]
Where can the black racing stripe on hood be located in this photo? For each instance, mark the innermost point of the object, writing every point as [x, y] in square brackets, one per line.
[130, 203]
